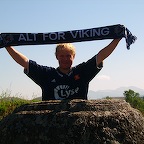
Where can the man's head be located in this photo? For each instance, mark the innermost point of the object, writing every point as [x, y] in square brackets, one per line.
[65, 46]
[65, 54]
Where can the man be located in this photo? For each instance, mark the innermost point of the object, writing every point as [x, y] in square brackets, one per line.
[64, 82]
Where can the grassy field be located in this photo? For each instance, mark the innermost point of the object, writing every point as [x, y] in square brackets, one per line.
[8, 103]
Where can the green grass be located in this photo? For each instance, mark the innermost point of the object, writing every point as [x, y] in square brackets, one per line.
[8, 104]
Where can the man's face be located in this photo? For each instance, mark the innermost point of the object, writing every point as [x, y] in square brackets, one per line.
[65, 59]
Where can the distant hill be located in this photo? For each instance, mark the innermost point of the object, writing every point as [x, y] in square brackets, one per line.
[11, 99]
[113, 93]
[38, 98]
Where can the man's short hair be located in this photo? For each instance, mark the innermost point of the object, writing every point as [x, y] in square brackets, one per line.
[65, 46]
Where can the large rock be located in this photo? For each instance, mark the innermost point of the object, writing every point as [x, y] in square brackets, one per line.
[73, 122]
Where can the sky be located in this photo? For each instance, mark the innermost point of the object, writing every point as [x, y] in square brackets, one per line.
[122, 68]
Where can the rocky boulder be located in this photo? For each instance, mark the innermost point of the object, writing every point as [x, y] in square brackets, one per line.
[73, 122]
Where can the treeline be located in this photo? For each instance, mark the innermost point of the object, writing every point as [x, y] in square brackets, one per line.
[135, 100]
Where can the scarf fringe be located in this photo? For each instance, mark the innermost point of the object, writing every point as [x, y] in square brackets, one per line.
[130, 39]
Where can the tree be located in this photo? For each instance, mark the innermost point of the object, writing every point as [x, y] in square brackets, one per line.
[132, 97]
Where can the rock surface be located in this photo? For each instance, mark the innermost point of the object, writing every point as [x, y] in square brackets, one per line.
[73, 122]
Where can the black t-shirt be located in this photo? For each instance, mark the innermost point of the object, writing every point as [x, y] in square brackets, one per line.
[56, 85]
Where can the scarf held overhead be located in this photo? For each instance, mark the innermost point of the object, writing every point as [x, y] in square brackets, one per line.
[100, 33]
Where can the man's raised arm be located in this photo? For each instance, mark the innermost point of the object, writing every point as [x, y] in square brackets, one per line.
[18, 57]
[105, 52]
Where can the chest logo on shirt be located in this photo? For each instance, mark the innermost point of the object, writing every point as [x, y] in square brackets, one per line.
[77, 77]
[63, 91]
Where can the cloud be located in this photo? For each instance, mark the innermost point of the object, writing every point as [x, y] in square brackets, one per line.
[103, 77]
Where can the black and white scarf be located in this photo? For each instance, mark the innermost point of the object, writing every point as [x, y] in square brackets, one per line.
[100, 33]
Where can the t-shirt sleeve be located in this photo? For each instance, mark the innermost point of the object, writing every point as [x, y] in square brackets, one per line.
[37, 72]
[90, 68]
[100, 66]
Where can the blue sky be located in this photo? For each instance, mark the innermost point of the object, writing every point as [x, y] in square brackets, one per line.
[122, 68]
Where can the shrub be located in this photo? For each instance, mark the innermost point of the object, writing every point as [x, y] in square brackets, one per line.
[134, 99]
